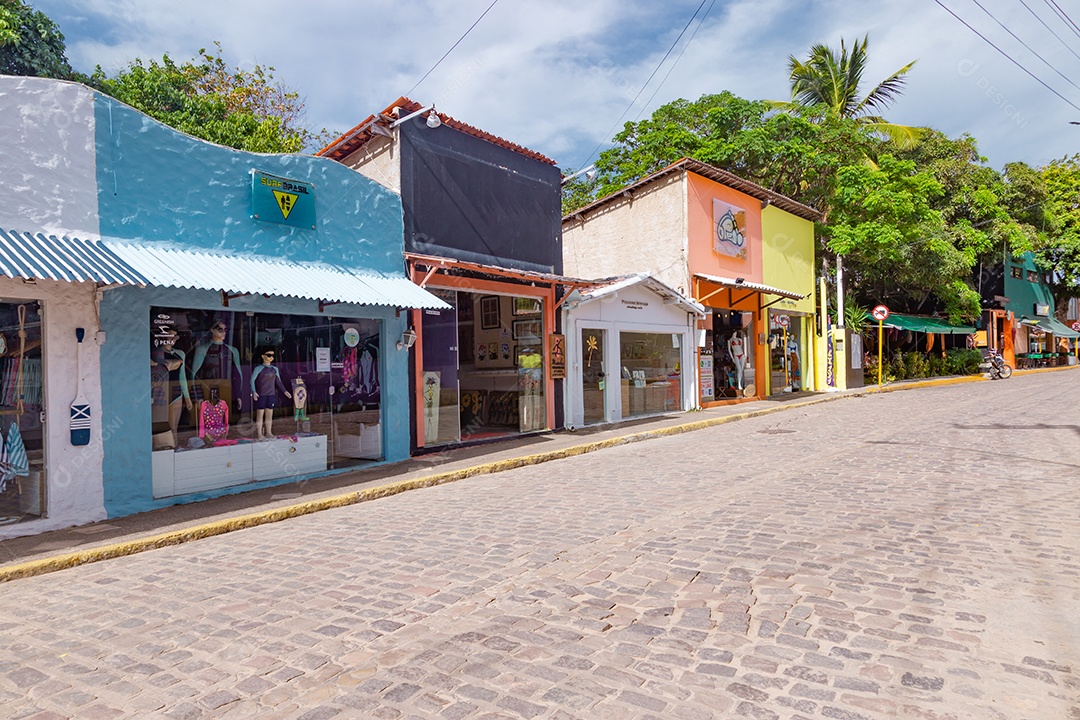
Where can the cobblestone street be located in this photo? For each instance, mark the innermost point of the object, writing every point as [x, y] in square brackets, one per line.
[902, 555]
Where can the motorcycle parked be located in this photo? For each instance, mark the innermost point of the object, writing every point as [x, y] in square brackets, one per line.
[995, 367]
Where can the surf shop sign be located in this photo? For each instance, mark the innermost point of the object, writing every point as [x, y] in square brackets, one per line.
[729, 229]
[282, 200]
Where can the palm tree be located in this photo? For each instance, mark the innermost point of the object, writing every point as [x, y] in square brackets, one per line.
[825, 78]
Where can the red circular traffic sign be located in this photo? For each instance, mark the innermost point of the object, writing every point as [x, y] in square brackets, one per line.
[880, 312]
[1076, 326]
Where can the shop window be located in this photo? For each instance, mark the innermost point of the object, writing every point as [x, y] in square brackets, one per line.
[651, 373]
[238, 397]
[784, 352]
[728, 345]
[483, 367]
[22, 444]
[1017, 273]
[1032, 276]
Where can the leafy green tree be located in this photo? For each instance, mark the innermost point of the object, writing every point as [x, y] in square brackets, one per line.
[833, 80]
[895, 242]
[206, 98]
[31, 43]
[1059, 251]
[795, 154]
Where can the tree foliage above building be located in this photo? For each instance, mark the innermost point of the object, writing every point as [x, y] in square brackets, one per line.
[207, 98]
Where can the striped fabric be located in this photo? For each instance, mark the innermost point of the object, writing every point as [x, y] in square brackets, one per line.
[16, 452]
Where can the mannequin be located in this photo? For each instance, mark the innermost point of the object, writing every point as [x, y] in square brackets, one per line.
[168, 363]
[299, 401]
[736, 347]
[218, 363]
[213, 418]
[795, 376]
[265, 383]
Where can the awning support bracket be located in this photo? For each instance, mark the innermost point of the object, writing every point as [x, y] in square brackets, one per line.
[323, 304]
[770, 304]
[226, 297]
[431, 271]
[747, 296]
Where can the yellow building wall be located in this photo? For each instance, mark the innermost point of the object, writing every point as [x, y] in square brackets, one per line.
[787, 262]
[787, 257]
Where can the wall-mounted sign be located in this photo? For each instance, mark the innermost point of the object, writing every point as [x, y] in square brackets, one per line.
[729, 229]
[281, 200]
[1042, 310]
[557, 353]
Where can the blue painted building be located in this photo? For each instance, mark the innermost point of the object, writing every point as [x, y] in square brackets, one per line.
[241, 313]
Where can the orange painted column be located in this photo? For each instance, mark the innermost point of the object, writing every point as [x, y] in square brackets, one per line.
[1008, 351]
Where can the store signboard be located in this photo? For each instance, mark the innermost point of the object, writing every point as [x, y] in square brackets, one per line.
[557, 353]
[1042, 310]
[282, 200]
[729, 230]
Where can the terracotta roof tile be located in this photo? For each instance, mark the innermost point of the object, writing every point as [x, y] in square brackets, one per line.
[354, 139]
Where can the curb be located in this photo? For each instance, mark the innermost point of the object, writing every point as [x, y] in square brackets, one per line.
[32, 568]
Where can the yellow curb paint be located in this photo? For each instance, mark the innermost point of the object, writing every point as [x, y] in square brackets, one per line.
[220, 527]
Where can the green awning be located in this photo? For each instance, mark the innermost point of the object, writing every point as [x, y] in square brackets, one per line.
[1053, 326]
[923, 324]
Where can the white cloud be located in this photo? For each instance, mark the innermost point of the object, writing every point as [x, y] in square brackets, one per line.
[554, 75]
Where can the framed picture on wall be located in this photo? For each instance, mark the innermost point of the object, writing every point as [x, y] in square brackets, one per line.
[489, 312]
[528, 329]
[526, 306]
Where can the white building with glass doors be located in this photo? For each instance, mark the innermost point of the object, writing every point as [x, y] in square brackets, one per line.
[630, 349]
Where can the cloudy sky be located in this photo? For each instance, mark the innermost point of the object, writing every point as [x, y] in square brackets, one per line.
[557, 75]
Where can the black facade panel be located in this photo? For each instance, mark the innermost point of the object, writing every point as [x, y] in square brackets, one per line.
[469, 199]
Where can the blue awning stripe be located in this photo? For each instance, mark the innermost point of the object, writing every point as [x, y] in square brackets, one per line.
[119, 262]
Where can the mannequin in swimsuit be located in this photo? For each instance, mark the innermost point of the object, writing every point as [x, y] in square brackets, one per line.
[737, 350]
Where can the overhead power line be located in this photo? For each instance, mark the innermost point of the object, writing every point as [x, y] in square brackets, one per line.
[1037, 17]
[1064, 16]
[672, 67]
[1045, 61]
[1007, 56]
[451, 49]
[651, 76]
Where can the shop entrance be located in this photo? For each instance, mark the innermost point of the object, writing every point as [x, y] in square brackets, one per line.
[784, 353]
[440, 377]
[594, 375]
[483, 367]
[730, 338]
[22, 443]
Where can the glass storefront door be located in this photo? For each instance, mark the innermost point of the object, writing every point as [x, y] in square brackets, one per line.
[439, 396]
[651, 373]
[22, 437]
[484, 367]
[593, 375]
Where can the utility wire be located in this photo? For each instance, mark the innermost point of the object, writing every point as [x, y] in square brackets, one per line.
[672, 67]
[658, 65]
[1045, 61]
[408, 94]
[1064, 16]
[1036, 16]
[1007, 56]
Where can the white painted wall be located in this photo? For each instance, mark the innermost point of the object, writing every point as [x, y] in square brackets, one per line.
[644, 234]
[379, 160]
[73, 474]
[47, 173]
[633, 309]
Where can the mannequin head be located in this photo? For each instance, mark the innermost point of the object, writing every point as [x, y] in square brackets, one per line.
[218, 330]
[267, 356]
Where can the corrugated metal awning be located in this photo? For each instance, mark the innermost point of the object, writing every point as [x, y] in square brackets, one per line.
[108, 261]
[739, 283]
[1050, 325]
[670, 295]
